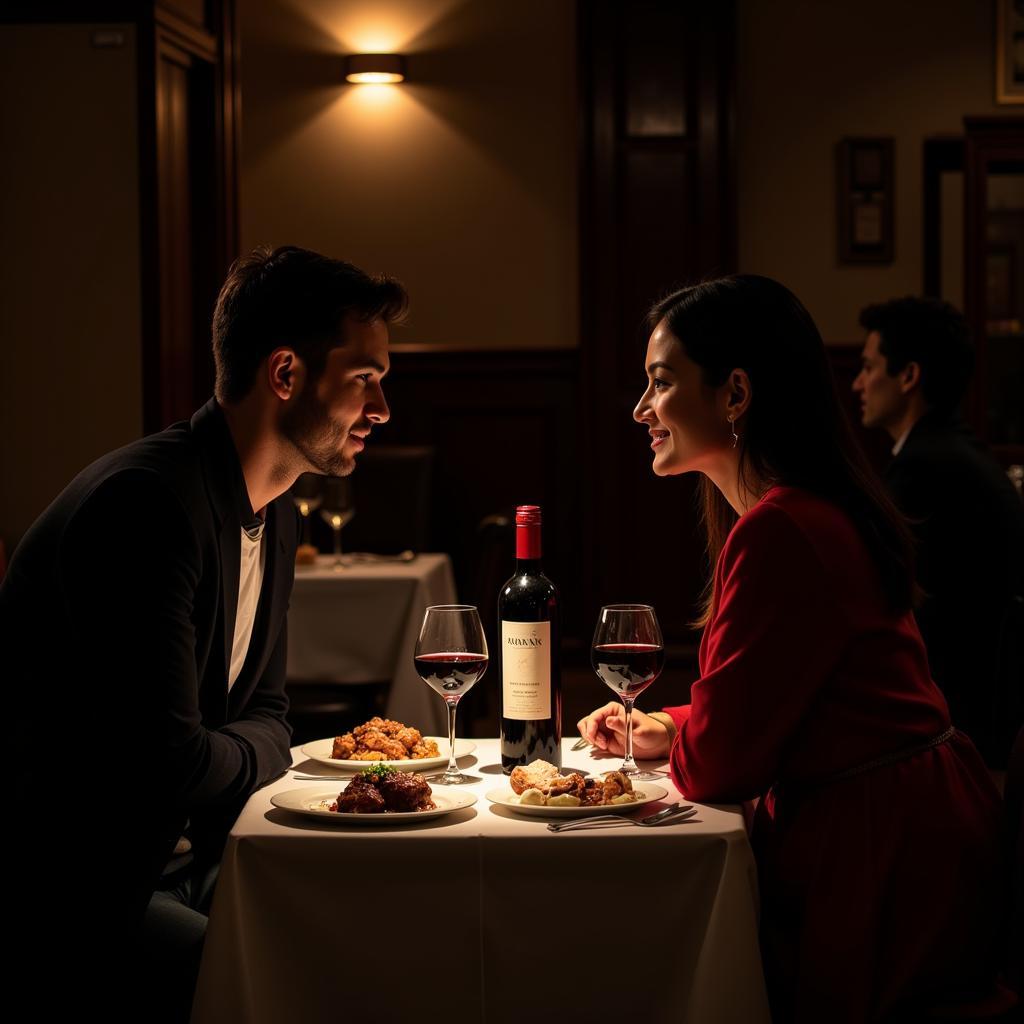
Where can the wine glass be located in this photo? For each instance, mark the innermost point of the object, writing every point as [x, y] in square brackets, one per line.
[337, 509]
[628, 655]
[307, 497]
[451, 655]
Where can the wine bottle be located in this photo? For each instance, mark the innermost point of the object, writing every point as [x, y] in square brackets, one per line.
[531, 685]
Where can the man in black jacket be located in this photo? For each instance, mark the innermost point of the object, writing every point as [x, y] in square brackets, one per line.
[143, 630]
[967, 517]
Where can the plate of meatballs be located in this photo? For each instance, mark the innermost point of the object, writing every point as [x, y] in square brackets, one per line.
[375, 795]
[383, 741]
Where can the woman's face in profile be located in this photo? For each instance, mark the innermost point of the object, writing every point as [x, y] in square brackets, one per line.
[681, 412]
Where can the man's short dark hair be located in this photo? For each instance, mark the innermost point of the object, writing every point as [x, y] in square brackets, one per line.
[294, 298]
[931, 333]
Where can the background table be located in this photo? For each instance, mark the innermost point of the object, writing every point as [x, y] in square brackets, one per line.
[482, 915]
[360, 624]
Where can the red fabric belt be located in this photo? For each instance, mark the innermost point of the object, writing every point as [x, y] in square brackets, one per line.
[798, 788]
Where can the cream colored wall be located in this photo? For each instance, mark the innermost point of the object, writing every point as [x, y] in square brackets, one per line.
[813, 71]
[71, 384]
[461, 182]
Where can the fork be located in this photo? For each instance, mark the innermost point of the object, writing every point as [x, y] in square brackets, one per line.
[667, 815]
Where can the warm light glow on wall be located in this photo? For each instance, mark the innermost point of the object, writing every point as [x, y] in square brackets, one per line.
[374, 26]
[379, 41]
[370, 101]
[374, 68]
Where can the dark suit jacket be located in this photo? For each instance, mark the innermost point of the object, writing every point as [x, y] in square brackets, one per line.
[969, 525]
[117, 616]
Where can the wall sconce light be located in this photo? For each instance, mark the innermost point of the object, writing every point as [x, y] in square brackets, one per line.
[365, 68]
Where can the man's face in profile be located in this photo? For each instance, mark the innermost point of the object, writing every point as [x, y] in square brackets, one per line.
[332, 415]
[882, 401]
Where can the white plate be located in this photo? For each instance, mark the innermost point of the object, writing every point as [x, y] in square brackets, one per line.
[313, 801]
[320, 750]
[645, 794]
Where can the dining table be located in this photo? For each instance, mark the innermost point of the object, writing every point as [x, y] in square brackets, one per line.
[357, 623]
[481, 914]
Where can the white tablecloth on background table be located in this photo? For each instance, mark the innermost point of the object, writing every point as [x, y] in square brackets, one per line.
[482, 915]
[360, 624]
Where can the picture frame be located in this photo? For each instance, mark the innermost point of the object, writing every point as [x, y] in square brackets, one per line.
[865, 196]
[1009, 42]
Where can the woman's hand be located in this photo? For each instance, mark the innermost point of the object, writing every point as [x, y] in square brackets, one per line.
[606, 729]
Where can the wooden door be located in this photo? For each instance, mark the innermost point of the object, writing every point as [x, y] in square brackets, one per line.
[189, 199]
[657, 213]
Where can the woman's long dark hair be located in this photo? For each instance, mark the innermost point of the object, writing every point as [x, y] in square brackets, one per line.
[794, 431]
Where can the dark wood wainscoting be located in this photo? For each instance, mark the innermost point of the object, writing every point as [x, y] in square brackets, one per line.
[504, 426]
[509, 427]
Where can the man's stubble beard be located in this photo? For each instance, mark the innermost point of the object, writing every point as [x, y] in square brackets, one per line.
[317, 440]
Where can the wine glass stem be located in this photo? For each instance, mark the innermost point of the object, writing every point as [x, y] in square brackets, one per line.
[453, 768]
[629, 764]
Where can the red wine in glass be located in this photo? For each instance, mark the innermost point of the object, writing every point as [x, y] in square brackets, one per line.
[628, 654]
[628, 668]
[451, 673]
[450, 656]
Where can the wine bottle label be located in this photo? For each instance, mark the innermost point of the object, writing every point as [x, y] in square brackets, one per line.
[526, 670]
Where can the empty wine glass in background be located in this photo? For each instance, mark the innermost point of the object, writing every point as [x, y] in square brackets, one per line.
[337, 509]
[451, 655]
[307, 497]
[628, 655]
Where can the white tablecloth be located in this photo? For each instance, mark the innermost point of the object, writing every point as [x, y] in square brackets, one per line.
[360, 625]
[482, 915]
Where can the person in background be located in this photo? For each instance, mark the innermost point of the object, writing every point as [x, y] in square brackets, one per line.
[877, 832]
[143, 626]
[967, 519]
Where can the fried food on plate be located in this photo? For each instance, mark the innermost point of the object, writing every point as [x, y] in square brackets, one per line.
[382, 739]
[535, 775]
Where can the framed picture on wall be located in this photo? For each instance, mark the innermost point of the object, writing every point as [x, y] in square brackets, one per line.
[865, 193]
[1009, 51]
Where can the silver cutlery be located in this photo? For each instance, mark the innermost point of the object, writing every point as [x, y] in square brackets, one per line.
[581, 744]
[667, 816]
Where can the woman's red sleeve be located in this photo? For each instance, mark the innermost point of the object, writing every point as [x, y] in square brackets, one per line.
[775, 634]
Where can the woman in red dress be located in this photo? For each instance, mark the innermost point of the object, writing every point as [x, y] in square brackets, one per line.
[877, 830]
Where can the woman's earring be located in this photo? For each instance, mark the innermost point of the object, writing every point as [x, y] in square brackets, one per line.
[735, 436]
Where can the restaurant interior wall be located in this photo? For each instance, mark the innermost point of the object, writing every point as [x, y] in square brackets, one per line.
[119, 214]
[461, 181]
[70, 324]
[810, 73]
